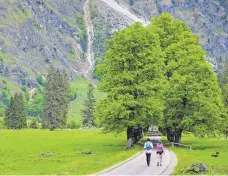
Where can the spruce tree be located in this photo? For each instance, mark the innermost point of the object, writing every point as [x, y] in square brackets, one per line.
[56, 99]
[15, 113]
[87, 113]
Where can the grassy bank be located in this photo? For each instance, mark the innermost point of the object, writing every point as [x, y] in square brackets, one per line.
[59, 152]
[201, 152]
[76, 106]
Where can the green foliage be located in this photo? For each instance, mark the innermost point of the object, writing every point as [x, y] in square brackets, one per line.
[40, 79]
[36, 106]
[131, 74]
[80, 85]
[87, 113]
[34, 123]
[83, 34]
[73, 94]
[15, 117]
[5, 96]
[193, 99]
[56, 99]
[224, 123]
[73, 125]
[191, 170]
[2, 125]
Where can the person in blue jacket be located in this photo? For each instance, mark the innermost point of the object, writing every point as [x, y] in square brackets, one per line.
[148, 149]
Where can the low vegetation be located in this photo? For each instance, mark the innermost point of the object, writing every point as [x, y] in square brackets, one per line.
[60, 152]
[202, 151]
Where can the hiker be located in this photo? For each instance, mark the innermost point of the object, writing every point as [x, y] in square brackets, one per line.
[160, 151]
[148, 149]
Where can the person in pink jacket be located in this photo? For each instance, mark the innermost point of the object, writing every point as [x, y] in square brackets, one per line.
[160, 151]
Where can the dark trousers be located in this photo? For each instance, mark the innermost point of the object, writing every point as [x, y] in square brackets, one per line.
[148, 156]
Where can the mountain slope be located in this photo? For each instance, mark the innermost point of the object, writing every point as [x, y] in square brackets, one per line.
[37, 34]
[206, 18]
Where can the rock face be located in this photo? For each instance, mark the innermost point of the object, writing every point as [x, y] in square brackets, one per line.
[206, 18]
[35, 34]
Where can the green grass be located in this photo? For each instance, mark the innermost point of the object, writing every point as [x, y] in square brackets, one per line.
[16, 16]
[77, 105]
[5, 57]
[10, 85]
[201, 152]
[59, 152]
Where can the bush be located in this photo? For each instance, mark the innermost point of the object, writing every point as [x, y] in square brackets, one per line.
[73, 125]
[34, 124]
[73, 94]
[40, 79]
[2, 126]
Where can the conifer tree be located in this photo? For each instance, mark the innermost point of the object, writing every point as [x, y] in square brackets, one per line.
[15, 113]
[56, 99]
[87, 113]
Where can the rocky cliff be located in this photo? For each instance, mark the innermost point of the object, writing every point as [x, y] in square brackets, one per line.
[37, 34]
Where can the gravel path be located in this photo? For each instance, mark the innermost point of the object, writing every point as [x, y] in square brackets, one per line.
[137, 164]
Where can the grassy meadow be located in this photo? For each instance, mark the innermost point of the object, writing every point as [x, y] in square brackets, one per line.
[59, 152]
[201, 152]
[77, 105]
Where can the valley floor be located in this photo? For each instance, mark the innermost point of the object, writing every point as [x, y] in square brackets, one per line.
[63, 152]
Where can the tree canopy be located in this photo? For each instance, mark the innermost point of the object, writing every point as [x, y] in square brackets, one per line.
[87, 113]
[56, 99]
[131, 74]
[15, 116]
[193, 100]
[158, 73]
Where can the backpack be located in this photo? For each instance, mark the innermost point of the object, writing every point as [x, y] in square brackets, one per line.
[148, 146]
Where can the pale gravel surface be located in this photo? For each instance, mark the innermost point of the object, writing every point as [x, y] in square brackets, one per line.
[137, 165]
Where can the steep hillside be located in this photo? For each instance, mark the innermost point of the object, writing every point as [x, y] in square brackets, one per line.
[206, 18]
[35, 34]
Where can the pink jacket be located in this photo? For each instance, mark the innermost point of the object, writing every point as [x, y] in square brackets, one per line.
[160, 147]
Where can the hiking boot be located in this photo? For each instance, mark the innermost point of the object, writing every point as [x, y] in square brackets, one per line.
[157, 163]
[160, 164]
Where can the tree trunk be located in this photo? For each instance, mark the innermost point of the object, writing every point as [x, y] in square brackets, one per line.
[170, 135]
[178, 134]
[130, 131]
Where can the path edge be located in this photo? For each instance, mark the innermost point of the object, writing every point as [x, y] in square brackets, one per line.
[173, 163]
[117, 165]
